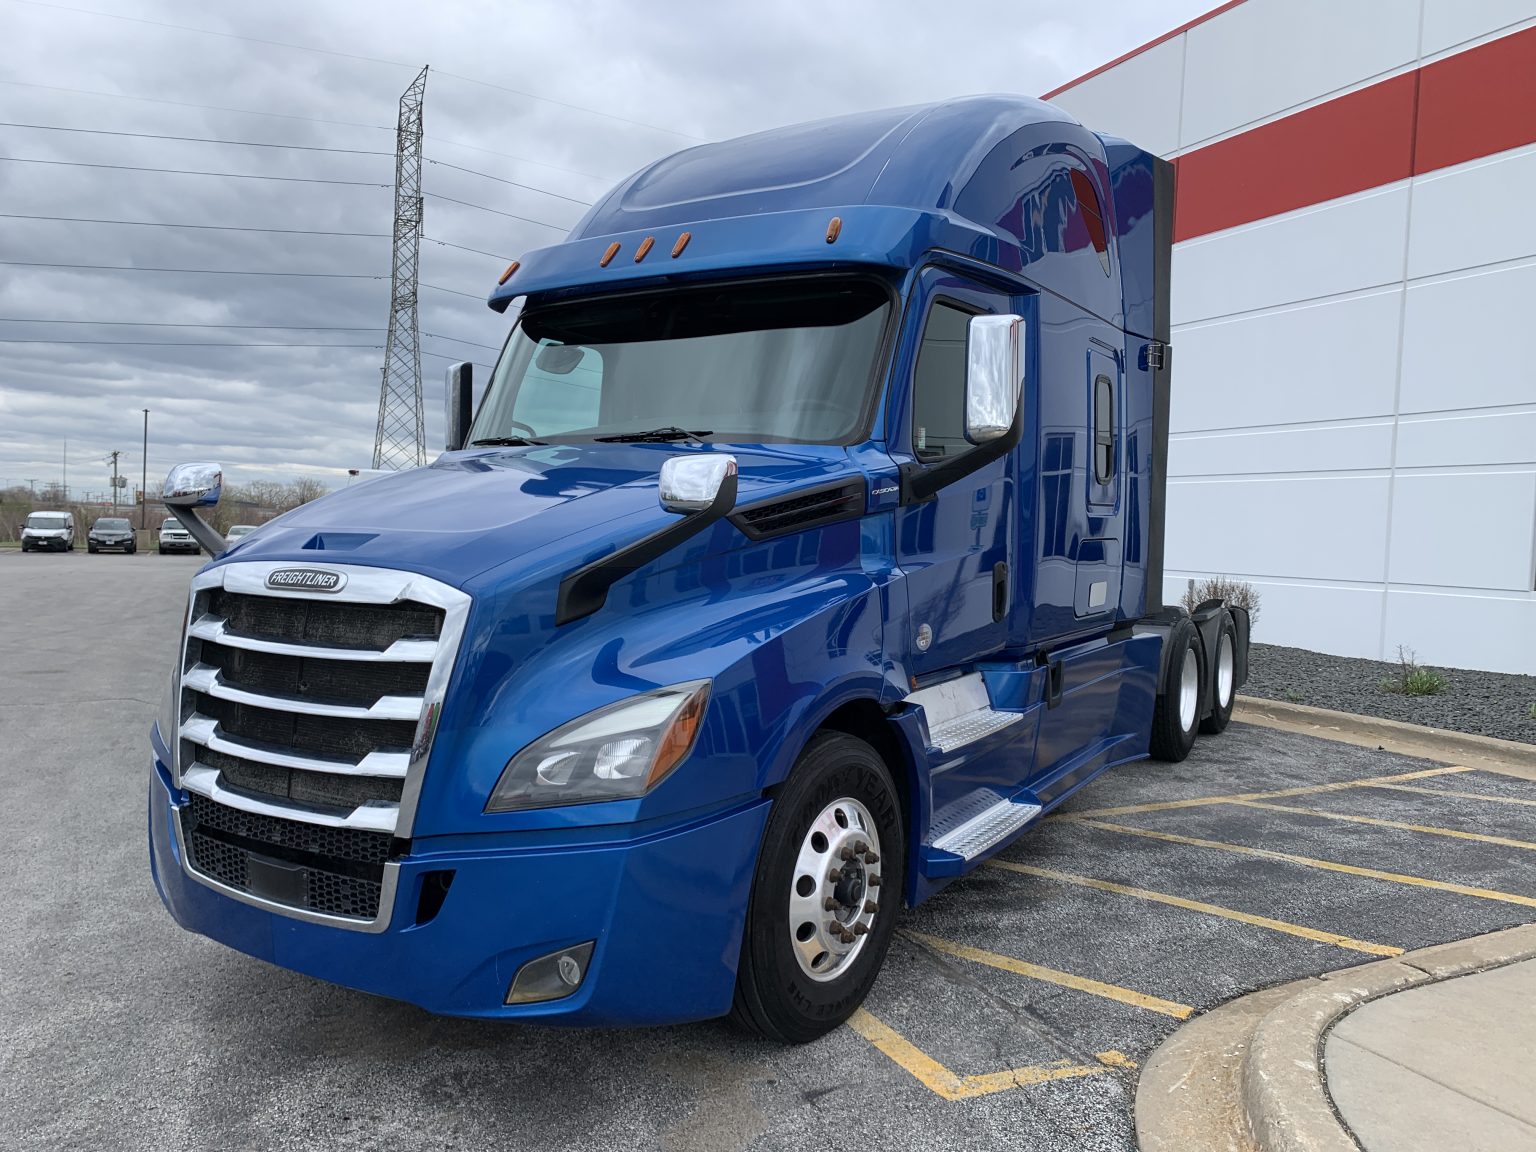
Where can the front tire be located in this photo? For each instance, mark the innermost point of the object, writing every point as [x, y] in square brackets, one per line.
[823, 908]
[1176, 715]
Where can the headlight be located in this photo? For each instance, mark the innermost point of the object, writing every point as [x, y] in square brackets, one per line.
[615, 753]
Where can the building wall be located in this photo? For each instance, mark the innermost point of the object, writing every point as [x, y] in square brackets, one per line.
[1354, 285]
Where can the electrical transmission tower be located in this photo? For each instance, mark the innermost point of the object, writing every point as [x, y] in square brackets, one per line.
[401, 438]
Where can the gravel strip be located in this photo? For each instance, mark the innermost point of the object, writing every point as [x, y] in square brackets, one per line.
[1484, 703]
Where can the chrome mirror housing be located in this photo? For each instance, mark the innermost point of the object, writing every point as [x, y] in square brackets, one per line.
[193, 485]
[994, 376]
[697, 483]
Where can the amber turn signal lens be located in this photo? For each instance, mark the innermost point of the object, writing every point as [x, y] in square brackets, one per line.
[507, 275]
[645, 246]
[834, 229]
[679, 737]
[682, 242]
[613, 250]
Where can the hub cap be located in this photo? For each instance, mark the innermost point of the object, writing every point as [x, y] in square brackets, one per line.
[1224, 671]
[1189, 689]
[834, 889]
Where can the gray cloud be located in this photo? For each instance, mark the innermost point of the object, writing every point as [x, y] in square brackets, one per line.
[703, 70]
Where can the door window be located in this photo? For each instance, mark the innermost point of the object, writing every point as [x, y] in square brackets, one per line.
[938, 385]
[1103, 430]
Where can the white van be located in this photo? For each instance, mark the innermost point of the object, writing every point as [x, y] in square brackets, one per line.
[48, 531]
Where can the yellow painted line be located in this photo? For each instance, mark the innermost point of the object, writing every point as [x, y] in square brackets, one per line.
[1306, 790]
[1458, 795]
[1326, 865]
[1055, 976]
[941, 1081]
[1209, 909]
[1377, 822]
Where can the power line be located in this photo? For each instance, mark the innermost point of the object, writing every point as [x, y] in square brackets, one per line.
[193, 271]
[499, 212]
[194, 139]
[461, 340]
[504, 180]
[186, 171]
[183, 324]
[307, 120]
[465, 248]
[452, 291]
[201, 227]
[353, 56]
[184, 344]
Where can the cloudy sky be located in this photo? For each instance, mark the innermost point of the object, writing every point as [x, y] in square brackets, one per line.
[560, 97]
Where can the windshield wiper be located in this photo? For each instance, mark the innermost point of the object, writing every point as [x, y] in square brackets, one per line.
[505, 442]
[655, 436]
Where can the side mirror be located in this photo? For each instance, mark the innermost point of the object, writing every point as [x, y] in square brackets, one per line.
[459, 399]
[698, 483]
[189, 487]
[994, 376]
[193, 486]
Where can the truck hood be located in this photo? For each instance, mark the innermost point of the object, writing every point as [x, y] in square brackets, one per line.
[471, 511]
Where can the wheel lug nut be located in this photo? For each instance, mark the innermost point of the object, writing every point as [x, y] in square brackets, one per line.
[873, 881]
[870, 905]
[835, 875]
[831, 903]
[846, 852]
[860, 847]
[860, 929]
[871, 858]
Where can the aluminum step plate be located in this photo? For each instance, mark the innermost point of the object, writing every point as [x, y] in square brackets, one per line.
[981, 832]
[969, 727]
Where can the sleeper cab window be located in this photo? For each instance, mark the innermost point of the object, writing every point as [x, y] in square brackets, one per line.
[938, 385]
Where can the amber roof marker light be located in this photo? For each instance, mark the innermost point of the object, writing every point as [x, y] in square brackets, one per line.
[613, 250]
[507, 275]
[645, 247]
[682, 242]
[834, 229]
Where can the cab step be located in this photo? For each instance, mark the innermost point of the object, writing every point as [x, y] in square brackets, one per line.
[960, 712]
[952, 853]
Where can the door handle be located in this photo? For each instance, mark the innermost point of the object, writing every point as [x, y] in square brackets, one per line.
[999, 590]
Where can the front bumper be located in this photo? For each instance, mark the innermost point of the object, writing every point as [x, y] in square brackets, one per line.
[666, 911]
[187, 545]
[102, 545]
[46, 543]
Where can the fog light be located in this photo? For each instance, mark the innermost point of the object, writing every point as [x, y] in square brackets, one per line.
[550, 977]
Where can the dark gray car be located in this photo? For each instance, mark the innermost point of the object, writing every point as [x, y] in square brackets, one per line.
[111, 532]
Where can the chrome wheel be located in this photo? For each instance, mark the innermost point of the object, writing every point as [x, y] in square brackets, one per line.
[835, 889]
[1224, 670]
[1189, 689]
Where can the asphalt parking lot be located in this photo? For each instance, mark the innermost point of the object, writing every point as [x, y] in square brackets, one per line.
[1014, 1011]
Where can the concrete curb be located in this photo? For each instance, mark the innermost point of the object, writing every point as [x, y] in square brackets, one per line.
[1248, 1076]
[1508, 756]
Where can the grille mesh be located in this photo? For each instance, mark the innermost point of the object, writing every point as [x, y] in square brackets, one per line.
[347, 682]
[313, 788]
[323, 623]
[300, 732]
[337, 844]
[813, 509]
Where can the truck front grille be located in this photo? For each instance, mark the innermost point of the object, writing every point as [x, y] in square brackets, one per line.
[306, 718]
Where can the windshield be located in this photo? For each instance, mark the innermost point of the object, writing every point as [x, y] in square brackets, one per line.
[789, 360]
[112, 525]
[169, 524]
[49, 520]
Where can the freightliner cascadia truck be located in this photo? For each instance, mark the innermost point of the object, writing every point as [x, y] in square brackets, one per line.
[803, 550]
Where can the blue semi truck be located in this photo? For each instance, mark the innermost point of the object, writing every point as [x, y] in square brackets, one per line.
[804, 549]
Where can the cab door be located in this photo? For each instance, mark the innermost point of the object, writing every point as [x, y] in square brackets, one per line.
[957, 547]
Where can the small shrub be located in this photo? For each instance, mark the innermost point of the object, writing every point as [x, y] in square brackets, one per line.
[1221, 588]
[1531, 711]
[1412, 680]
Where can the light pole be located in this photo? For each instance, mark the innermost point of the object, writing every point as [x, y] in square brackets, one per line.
[144, 475]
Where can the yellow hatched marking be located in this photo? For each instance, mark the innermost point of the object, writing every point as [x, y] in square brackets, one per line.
[1458, 795]
[1305, 790]
[1209, 909]
[1377, 822]
[1055, 976]
[941, 1081]
[1326, 865]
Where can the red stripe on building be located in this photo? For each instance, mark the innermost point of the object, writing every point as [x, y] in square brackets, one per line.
[1478, 102]
[1359, 141]
[1150, 44]
[1473, 104]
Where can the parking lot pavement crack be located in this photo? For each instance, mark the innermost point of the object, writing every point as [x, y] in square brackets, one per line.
[1021, 1013]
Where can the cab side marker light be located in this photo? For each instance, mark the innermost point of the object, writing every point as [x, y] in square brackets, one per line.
[645, 247]
[613, 250]
[682, 242]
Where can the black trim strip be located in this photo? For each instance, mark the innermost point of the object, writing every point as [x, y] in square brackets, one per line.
[585, 590]
[1157, 489]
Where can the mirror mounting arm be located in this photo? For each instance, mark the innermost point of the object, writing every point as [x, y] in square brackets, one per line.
[199, 529]
[921, 482]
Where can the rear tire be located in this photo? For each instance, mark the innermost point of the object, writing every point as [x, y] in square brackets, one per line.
[1176, 715]
[798, 978]
[1225, 678]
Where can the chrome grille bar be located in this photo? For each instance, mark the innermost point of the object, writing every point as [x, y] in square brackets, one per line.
[209, 627]
[201, 730]
[204, 781]
[203, 678]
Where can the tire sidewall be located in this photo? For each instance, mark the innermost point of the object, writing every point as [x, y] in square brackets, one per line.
[834, 766]
[1221, 714]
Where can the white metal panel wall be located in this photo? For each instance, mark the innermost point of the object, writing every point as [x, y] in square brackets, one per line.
[1354, 410]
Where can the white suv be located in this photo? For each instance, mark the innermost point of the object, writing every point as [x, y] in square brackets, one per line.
[48, 530]
[174, 537]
